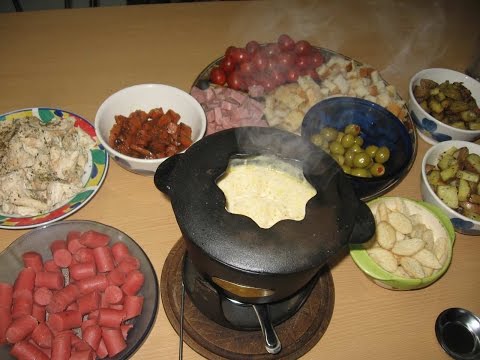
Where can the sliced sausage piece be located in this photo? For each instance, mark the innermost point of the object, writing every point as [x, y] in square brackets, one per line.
[84, 255]
[42, 296]
[42, 336]
[6, 295]
[133, 282]
[102, 351]
[5, 321]
[128, 264]
[116, 277]
[82, 271]
[132, 306]
[25, 282]
[61, 256]
[110, 318]
[33, 260]
[88, 354]
[50, 265]
[61, 346]
[88, 302]
[24, 350]
[20, 328]
[103, 259]
[22, 305]
[114, 341]
[65, 320]
[119, 251]
[73, 241]
[113, 294]
[49, 280]
[93, 239]
[62, 298]
[92, 335]
[95, 283]
[39, 312]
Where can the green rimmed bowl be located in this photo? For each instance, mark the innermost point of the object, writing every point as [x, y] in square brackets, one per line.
[390, 281]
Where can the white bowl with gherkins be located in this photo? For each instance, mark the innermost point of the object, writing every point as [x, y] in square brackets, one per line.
[451, 180]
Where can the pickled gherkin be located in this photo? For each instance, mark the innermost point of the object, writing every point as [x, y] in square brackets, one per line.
[345, 146]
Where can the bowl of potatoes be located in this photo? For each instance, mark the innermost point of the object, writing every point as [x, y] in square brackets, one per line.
[451, 181]
[444, 104]
[412, 246]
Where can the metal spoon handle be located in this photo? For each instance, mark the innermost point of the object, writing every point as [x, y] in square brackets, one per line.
[182, 308]
[272, 343]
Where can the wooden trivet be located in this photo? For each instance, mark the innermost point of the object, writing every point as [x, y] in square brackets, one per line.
[298, 334]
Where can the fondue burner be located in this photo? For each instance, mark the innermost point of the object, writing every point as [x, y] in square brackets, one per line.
[220, 327]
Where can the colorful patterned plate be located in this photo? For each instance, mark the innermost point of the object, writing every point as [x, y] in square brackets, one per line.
[93, 176]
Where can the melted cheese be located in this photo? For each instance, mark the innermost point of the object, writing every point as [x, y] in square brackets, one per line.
[266, 189]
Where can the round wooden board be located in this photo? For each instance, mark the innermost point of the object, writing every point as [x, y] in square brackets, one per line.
[298, 334]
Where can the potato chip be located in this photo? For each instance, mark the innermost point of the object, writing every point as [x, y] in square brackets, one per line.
[427, 236]
[386, 235]
[408, 247]
[400, 222]
[427, 258]
[383, 258]
[401, 272]
[412, 267]
[440, 249]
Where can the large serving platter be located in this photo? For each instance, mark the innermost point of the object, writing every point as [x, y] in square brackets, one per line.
[92, 179]
[202, 81]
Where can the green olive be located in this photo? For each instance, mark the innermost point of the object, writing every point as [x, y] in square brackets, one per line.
[359, 140]
[371, 150]
[349, 155]
[317, 139]
[356, 148]
[346, 169]
[362, 160]
[348, 140]
[340, 136]
[336, 148]
[360, 172]
[382, 155]
[377, 169]
[352, 129]
[329, 133]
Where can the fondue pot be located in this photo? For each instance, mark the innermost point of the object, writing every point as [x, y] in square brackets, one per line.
[248, 263]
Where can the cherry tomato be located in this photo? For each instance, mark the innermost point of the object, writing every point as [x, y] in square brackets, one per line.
[240, 55]
[285, 42]
[260, 61]
[302, 62]
[272, 50]
[286, 60]
[292, 75]
[235, 81]
[252, 47]
[247, 69]
[229, 51]
[268, 83]
[227, 64]
[316, 59]
[272, 64]
[278, 77]
[303, 47]
[217, 76]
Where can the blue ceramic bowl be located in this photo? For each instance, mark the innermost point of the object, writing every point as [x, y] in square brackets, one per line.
[378, 127]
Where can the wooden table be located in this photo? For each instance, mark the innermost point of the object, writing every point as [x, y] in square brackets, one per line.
[74, 59]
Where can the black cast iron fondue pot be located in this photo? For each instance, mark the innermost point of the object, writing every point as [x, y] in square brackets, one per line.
[249, 263]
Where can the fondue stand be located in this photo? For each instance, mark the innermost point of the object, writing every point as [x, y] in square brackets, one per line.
[246, 285]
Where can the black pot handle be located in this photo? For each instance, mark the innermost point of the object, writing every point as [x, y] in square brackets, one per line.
[163, 175]
[364, 227]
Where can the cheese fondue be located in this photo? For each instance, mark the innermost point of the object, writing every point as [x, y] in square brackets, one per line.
[266, 189]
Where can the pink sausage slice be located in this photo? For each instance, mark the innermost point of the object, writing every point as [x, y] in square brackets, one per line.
[20, 328]
[25, 282]
[92, 335]
[26, 351]
[114, 341]
[33, 260]
[61, 256]
[82, 271]
[133, 282]
[133, 306]
[103, 259]
[42, 336]
[120, 251]
[93, 239]
[49, 280]
[65, 320]
[42, 296]
[61, 346]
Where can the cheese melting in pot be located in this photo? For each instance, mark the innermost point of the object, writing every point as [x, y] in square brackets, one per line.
[266, 189]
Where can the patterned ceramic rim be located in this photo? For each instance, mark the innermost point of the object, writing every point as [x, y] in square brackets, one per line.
[93, 177]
